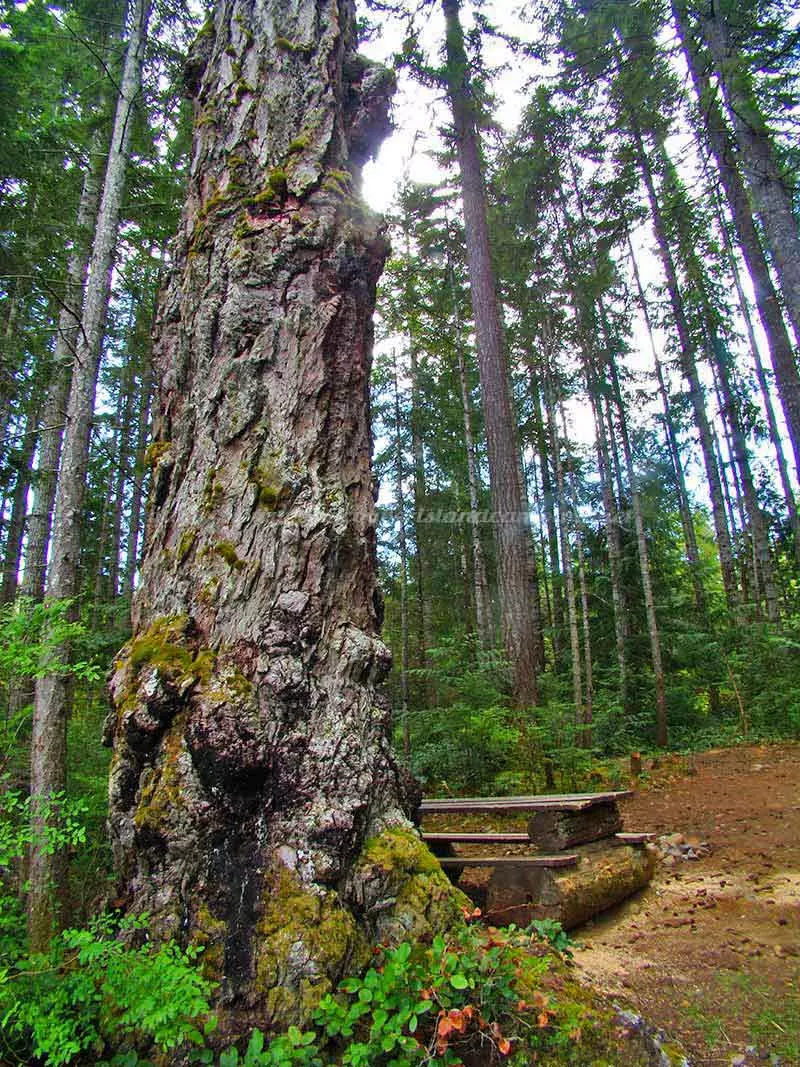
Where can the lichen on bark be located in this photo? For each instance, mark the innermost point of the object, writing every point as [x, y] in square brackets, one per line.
[254, 799]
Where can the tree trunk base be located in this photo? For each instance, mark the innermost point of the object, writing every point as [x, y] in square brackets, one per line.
[605, 876]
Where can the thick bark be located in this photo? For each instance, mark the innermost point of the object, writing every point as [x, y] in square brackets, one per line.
[768, 187]
[48, 743]
[255, 804]
[511, 522]
[787, 378]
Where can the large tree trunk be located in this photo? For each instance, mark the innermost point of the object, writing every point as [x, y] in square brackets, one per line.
[255, 804]
[48, 743]
[511, 522]
[769, 189]
[766, 394]
[782, 357]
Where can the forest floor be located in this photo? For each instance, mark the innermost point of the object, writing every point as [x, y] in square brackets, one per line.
[710, 951]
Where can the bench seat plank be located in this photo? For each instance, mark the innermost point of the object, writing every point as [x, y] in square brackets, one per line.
[563, 860]
[560, 802]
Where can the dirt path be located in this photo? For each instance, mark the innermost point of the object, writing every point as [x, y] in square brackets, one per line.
[710, 952]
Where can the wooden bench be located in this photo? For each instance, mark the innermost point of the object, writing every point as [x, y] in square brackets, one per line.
[557, 821]
[568, 886]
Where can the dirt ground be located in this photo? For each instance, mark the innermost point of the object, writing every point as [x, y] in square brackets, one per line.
[710, 951]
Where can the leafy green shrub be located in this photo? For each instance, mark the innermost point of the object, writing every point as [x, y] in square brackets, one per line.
[93, 989]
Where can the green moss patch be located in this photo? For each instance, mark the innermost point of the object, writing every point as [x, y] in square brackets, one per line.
[426, 902]
[304, 942]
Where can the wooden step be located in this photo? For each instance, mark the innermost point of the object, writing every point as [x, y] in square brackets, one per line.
[634, 837]
[564, 860]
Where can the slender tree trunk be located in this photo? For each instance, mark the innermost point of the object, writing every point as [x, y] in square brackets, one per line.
[403, 548]
[423, 583]
[123, 476]
[19, 509]
[533, 569]
[512, 524]
[483, 606]
[689, 370]
[254, 803]
[588, 694]
[563, 508]
[787, 378]
[769, 189]
[48, 744]
[670, 433]
[641, 544]
[756, 519]
[548, 494]
[54, 413]
[766, 394]
[483, 603]
[137, 491]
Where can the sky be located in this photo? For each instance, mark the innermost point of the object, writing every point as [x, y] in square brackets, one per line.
[419, 112]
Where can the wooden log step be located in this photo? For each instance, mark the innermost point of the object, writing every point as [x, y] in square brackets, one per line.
[634, 837]
[558, 828]
[605, 876]
[562, 860]
[487, 838]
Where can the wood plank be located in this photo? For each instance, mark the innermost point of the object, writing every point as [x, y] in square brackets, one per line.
[488, 838]
[563, 860]
[545, 802]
